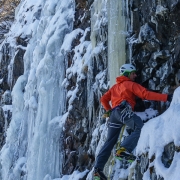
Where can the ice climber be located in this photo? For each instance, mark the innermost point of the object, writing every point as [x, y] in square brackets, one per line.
[122, 97]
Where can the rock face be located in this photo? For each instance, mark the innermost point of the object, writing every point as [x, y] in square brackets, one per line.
[155, 34]
[153, 37]
[153, 41]
[84, 113]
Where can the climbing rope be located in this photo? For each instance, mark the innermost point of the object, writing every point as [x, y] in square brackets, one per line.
[117, 147]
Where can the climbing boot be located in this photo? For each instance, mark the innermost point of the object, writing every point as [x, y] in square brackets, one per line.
[123, 154]
[99, 175]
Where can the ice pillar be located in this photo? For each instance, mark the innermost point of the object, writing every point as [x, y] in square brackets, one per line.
[116, 37]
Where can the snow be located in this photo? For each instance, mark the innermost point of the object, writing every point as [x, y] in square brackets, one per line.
[159, 132]
[32, 145]
[95, 136]
[76, 175]
[69, 38]
[160, 10]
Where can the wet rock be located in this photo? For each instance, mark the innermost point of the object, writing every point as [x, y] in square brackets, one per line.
[161, 55]
[146, 33]
[176, 64]
[144, 164]
[18, 64]
[168, 155]
[4, 63]
[2, 120]
[6, 98]
[82, 14]
[2, 127]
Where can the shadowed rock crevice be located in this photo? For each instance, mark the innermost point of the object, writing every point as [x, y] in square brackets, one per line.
[144, 164]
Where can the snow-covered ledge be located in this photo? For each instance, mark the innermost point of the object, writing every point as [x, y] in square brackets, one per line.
[156, 135]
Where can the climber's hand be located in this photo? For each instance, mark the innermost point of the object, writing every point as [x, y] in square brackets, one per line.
[169, 98]
[107, 114]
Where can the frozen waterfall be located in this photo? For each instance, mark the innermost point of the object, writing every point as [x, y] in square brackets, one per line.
[33, 145]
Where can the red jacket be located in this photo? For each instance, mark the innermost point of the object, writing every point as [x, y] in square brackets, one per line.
[125, 89]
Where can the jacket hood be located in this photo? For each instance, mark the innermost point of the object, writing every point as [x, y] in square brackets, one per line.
[121, 79]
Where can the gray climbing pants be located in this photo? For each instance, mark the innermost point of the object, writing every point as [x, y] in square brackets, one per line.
[118, 118]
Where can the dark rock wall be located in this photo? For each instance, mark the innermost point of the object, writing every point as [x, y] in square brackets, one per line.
[154, 39]
[155, 26]
[84, 114]
[11, 67]
[75, 135]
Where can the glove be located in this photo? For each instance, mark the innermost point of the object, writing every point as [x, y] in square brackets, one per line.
[107, 114]
[169, 98]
